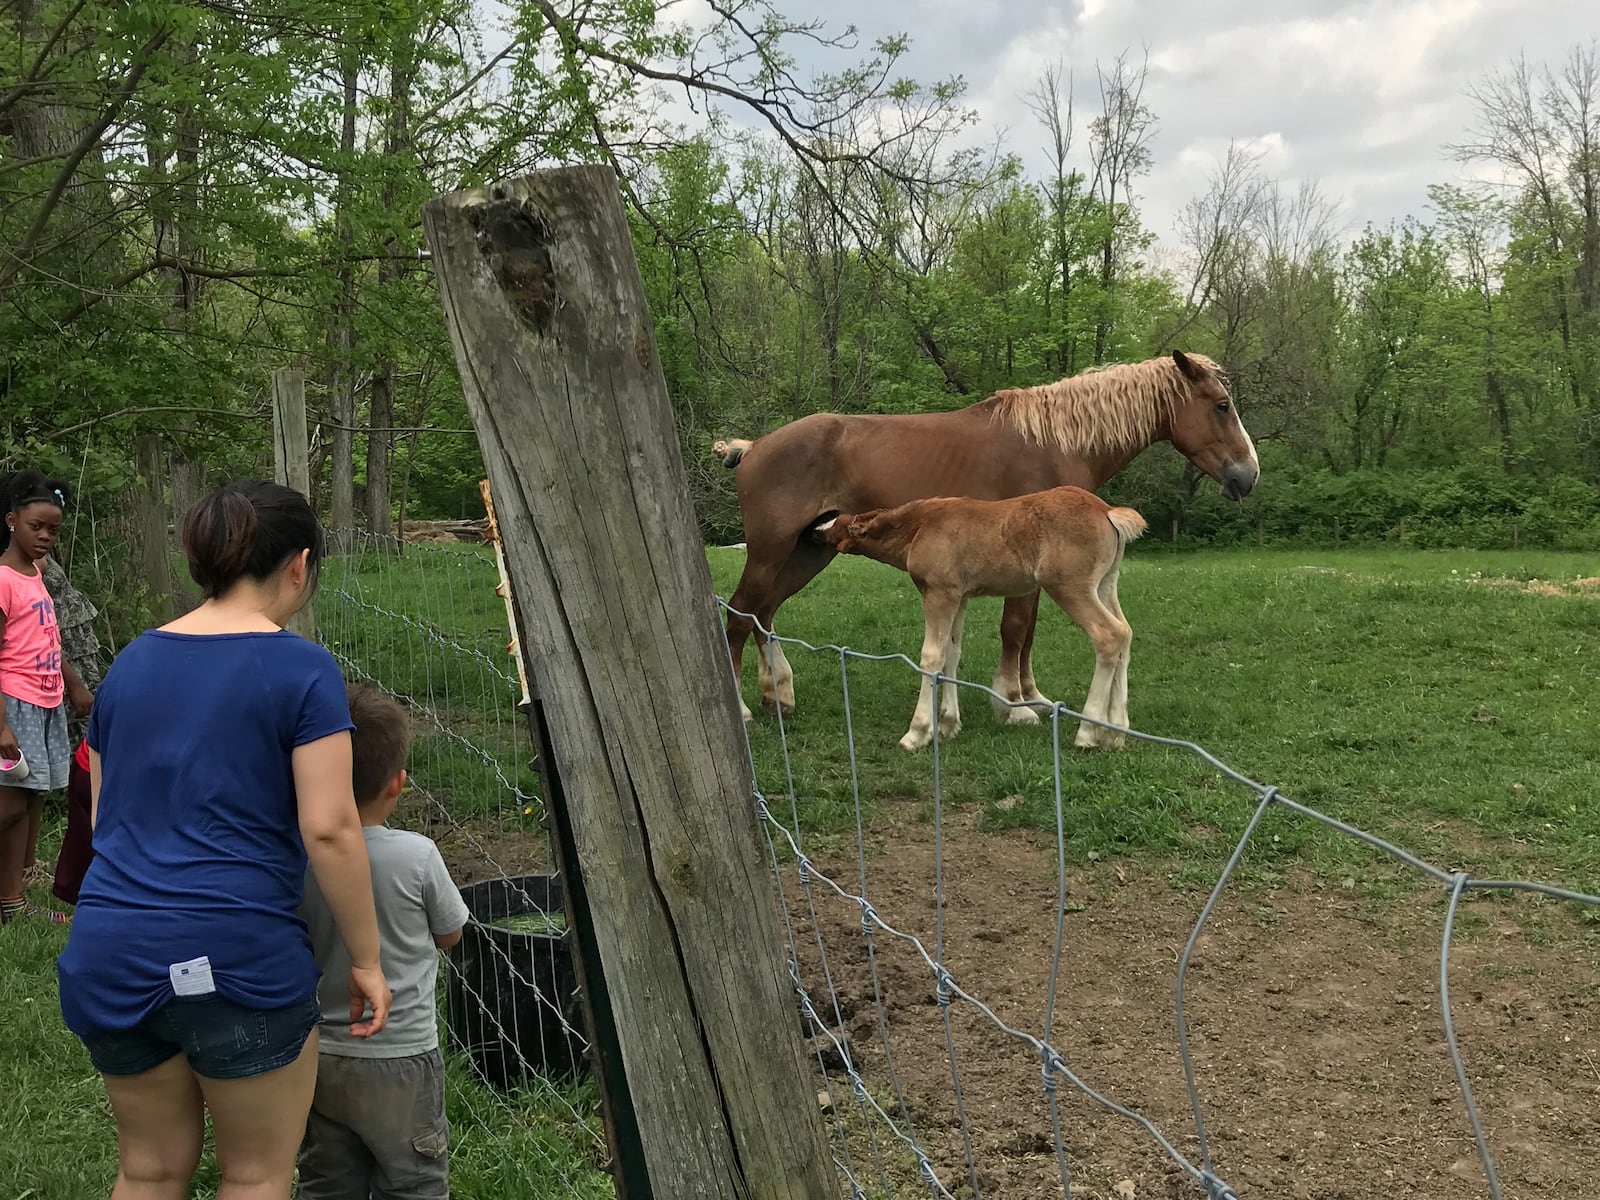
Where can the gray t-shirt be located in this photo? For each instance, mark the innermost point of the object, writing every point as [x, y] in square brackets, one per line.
[416, 900]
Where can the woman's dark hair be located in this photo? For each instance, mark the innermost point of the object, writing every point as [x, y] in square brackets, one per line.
[22, 488]
[248, 531]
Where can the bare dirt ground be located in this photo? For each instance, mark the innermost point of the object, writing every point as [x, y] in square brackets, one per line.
[1314, 1017]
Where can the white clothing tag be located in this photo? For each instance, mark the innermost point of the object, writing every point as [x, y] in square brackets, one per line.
[192, 978]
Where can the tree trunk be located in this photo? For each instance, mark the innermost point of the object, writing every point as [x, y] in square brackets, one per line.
[380, 415]
[341, 331]
[291, 460]
[155, 547]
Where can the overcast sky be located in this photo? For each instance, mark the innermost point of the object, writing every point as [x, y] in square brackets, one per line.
[1361, 97]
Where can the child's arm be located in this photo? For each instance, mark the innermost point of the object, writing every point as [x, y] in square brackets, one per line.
[447, 911]
[79, 696]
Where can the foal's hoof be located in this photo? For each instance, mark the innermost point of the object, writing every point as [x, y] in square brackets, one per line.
[771, 707]
[949, 727]
[914, 740]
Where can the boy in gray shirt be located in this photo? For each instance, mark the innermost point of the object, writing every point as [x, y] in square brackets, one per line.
[377, 1126]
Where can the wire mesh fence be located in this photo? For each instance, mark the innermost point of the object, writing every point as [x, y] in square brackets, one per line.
[883, 1144]
[428, 625]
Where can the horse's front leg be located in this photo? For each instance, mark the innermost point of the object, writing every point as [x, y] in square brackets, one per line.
[1030, 690]
[938, 617]
[777, 677]
[1016, 639]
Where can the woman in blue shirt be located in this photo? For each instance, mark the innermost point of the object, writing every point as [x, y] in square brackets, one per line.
[219, 765]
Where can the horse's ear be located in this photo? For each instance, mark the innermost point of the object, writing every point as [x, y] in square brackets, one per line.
[1191, 370]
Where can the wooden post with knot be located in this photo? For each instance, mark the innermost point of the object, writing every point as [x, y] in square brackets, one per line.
[653, 799]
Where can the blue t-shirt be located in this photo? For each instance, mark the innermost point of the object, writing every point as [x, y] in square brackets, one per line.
[197, 841]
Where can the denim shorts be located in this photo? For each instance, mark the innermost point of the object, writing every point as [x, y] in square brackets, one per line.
[221, 1039]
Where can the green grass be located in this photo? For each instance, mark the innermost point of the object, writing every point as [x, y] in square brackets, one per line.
[429, 627]
[60, 1144]
[1385, 688]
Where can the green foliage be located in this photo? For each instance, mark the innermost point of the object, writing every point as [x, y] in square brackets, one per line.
[1475, 506]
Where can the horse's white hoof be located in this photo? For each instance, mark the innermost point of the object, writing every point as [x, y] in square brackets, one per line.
[914, 740]
[949, 727]
[1019, 716]
[744, 711]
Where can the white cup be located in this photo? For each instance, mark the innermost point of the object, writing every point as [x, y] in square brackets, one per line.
[14, 772]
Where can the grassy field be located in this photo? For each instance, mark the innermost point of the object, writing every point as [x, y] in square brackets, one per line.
[1442, 699]
[1447, 700]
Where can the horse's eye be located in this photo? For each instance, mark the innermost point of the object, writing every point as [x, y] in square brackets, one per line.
[1222, 406]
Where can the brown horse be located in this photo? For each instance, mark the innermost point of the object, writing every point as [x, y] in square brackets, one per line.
[1067, 541]
[1080, 431]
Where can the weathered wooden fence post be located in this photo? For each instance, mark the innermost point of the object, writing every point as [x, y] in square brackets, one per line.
[547, 313]
[291, 459]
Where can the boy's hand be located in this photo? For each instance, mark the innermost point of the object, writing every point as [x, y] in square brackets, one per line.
[368, 989]
[9, 750]
[81, 699]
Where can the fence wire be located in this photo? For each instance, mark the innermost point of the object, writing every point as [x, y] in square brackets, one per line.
[785, 835]
[427, 625]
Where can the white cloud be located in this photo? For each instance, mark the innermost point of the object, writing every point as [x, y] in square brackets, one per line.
[1361, 95]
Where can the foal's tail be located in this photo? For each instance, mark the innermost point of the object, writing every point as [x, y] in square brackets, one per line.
[1128, 524]
[732, 451]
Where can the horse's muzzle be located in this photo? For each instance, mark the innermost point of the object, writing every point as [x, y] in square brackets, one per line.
[1238, 479]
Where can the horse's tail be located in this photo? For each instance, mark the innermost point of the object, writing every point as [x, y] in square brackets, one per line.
[732, 451]
[1128, 524]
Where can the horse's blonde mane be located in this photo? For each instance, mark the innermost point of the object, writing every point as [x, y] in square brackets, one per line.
[1101, 410]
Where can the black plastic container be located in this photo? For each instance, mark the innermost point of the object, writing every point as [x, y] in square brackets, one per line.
[510, 996]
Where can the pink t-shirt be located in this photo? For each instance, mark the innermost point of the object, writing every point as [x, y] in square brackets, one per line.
[30, 655]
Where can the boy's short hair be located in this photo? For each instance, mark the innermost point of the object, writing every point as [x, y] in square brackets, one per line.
[380, 743]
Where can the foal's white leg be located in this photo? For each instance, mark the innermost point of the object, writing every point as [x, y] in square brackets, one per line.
[1119, 685]
[1110, 635]
[1098, 704]
[938, 616]
[950, 694]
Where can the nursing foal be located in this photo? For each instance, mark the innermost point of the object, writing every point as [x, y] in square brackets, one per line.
[1067, 541]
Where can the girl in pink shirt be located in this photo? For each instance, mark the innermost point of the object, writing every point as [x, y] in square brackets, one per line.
[35, 681]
